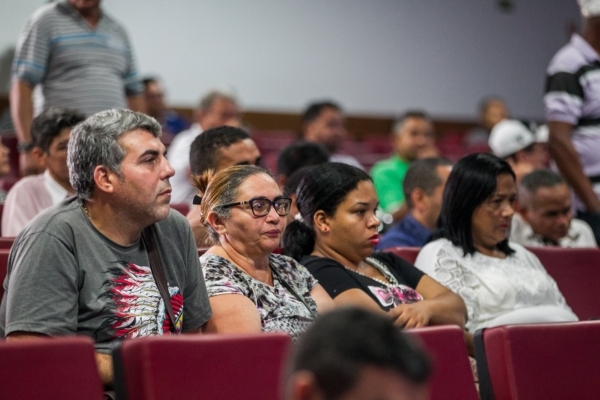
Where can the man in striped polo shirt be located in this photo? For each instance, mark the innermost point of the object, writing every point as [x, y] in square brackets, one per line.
[81, 56]
[573, 111]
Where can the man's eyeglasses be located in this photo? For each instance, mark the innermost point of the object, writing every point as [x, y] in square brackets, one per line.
[261, 206]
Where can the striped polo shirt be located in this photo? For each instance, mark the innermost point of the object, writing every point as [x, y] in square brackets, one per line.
[573, 96]
[78, 67]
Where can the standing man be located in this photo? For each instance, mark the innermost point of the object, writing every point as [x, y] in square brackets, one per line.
[82, 267]
[573, 112]
[216, 108]
[82, 58]
[413, 138]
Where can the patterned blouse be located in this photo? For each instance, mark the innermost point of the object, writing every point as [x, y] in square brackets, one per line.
[279, 309]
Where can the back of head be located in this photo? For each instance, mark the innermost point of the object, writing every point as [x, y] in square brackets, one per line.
[218, 189]
[314, 110]
[49, 124]
[541, 178]
[323, 188]
[298, 155]
[204, 152]
[423, 174]
[94, 142]
[472, 181]
[340, 344]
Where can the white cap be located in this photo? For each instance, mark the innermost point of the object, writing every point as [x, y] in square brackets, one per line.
[589, 8]
[509, 136]
[542, 133]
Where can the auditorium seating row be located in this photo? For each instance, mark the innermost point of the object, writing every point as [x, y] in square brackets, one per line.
[537, 361]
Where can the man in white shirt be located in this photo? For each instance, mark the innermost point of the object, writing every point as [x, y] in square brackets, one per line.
[31, 195]
[544, 215]
[216, 108]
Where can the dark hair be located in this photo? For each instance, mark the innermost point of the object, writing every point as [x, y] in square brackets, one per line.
[204, 154]
[540, 178]
[409, 114]
[292, 183]
[337, 347]
[323, 188]
[472, 180]
[313, 110]
[423, 174]
[299, 154]
[148, 80]
[46, 126]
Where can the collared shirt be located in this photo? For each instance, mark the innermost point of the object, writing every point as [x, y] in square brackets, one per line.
[580, 235]
[573, 96]
[55, 190]
[407, 233]
[179, 158]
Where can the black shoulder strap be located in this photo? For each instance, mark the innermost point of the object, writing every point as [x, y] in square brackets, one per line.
[293, 292]
[158, 272]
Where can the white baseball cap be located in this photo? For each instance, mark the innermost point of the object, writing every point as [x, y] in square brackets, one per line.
[542, 133]
[509, 136]
[589, 8]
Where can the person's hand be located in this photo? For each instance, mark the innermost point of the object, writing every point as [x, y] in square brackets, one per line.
[415, 315]
[29, 164]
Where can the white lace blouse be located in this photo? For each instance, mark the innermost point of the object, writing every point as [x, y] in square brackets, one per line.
[516, 289]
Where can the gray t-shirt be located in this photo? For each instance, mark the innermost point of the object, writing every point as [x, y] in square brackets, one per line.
[66, 278]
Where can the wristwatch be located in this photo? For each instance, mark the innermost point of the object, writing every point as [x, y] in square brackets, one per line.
[25, 147]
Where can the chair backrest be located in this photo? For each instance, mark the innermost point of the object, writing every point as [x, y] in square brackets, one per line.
[53, 368]
[183, 208]
[3, 269]
[540, 361]
[248, 366]
[452, 375]
[577, 273]
[408, 253]
[6, 242]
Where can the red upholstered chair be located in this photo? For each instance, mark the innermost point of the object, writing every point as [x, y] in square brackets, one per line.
[452, 376]
[540, 361]
[6, 242]
[3, 269]
[219, 367]
[577, 273]
[408, 253]
[57, 368]
[183, 208]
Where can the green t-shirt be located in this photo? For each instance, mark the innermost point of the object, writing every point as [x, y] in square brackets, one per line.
[388, 176]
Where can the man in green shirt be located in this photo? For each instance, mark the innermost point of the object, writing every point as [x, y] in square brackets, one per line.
[413, 138]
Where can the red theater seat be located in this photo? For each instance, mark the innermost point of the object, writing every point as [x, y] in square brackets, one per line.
[452, 377]
[6, 242]
[181, 207]
[577, 273]
[408, 253]
[213, 366]
[540, 361]
[57, 368]
[3, 269]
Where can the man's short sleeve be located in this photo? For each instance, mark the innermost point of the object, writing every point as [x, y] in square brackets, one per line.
[563, 98]
[43, 287]
[33, 49]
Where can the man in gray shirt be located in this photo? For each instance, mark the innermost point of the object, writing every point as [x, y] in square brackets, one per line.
[82, 267]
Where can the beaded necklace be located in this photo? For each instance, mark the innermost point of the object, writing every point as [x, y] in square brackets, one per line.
[379, 266]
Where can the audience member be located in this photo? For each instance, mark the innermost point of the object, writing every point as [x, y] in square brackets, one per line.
[4, 168]
[33, 194]
[573, 114]
[354, 354]
[217, 108]
[83, 60]
[298, 155]
[335, 241]
[250, 288]
[501, 283]
[491, 111]
[517, 143]
[170, 121]
[83, 267]
[423, 188]
[217, 149]
[323, 123]
[413, 139]
[544, 216]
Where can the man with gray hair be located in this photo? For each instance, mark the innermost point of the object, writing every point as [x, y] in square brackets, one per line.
[216, 108]
[88, 266]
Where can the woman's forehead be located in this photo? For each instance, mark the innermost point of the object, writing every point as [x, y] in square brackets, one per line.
[259, 185]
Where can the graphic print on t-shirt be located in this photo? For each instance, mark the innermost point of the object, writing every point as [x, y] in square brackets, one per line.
[136, 305]
[395, 295]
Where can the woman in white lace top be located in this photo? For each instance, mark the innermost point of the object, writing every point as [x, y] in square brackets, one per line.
[500, 282]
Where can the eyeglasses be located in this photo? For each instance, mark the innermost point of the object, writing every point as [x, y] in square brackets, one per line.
[261, 206]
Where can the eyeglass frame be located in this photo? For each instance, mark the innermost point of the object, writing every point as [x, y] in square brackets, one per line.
[270, 202]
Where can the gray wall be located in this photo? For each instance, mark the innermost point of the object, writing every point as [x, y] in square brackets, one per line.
[374, 56]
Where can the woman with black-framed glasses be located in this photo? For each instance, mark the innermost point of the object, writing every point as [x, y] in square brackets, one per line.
[250, 288]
